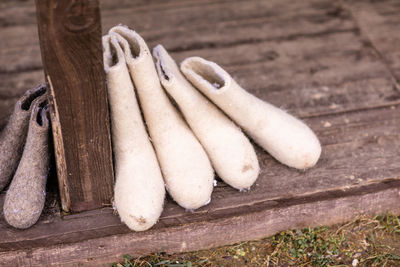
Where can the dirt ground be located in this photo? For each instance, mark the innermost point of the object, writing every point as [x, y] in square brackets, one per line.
[365, 241]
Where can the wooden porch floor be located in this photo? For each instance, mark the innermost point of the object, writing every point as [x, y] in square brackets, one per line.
[335, 64]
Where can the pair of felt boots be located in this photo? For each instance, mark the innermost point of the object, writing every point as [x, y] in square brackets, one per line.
[24, 159]
[191, 137]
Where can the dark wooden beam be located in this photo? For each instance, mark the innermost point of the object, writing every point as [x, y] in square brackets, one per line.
[70, 38]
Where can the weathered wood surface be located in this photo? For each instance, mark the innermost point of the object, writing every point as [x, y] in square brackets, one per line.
[379, 21]
[357, 154]
[258, 222]
[311, 57]
[70, 38]
[271, 36]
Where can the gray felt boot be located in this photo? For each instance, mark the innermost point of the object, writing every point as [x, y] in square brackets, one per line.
[27, 192]
[13, 136]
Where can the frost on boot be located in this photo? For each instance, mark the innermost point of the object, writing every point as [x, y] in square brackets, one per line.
[27, 192]
[13, 136]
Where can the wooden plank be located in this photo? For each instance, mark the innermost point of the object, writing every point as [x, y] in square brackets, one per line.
[293, 88]
[248, 21]
[14, 13]
[360, 149]
[379, 22]
[70, 35]
[330, 71]
[320, 37]
[308, 76]
[308, 58]
[14, 85]
[323, 209]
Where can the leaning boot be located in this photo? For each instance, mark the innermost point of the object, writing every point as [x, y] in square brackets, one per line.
[229, 150]
[27, 192]
[13, 136]
[139, 187]
[183, 161]
[285, 137]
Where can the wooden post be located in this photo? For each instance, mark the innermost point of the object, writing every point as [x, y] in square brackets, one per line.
[70, 38]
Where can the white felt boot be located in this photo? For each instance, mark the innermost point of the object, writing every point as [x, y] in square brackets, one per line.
[185, 166]
[286, 138]
[139, 188]
[230, 152]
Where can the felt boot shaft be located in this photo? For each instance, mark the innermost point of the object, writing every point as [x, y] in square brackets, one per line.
[13, 136]
[286, 138]
[183, 161]
[139, 188]
[229, 150]
[27, 192]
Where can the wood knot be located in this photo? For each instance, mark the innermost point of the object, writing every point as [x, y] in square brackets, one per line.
[80, 15]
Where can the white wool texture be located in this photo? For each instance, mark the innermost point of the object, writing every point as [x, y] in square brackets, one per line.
[139, 188]
[286, 138]
[186, 169]
[229, 150]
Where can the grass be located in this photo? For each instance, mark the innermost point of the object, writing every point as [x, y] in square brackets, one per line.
[365, 241]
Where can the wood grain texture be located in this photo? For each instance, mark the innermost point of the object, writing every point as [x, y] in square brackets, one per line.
[379, 21]
[358, 168]
[205, 25]
[309, 47]
[70, 35]
[315, 210]
[309, 57]
[305, 50]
